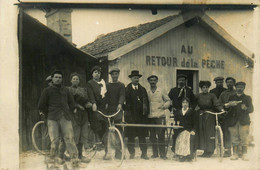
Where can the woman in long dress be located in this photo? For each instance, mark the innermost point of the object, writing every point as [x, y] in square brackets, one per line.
[206, 122]
[184, 144]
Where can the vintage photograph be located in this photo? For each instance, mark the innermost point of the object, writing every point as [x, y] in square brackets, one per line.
[137, 87]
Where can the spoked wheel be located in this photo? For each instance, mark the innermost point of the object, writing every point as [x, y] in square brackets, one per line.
[116, 146]
[219, 143]
[40, 138]
[91, 151]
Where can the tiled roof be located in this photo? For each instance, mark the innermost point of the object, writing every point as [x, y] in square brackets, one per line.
[114, 40]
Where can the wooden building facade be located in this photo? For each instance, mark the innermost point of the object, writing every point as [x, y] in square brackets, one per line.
[41, 51]
[190, 43]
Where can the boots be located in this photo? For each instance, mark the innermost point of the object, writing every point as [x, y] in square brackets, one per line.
[235, 153]
[80, 156]
[227, 153]
[244, 153]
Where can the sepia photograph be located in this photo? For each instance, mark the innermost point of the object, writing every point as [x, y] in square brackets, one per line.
[136, 86]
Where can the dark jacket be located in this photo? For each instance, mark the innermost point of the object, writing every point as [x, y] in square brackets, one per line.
[217, 91]
[176, 96]
[236, 113]
[137, 109]
[56, 101]
[187, 121]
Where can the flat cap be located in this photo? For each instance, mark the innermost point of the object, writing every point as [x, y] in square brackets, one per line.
[152, 76]
[114, 70]
[218, 78]
[230, 78]
[240, 83]
[56, 72]
[181, 76]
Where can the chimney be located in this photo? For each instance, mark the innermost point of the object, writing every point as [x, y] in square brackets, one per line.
[59, 20]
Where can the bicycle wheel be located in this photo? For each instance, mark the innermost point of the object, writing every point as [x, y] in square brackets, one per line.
[219, 143]
[40, 138]
[92, 150]
[115, 141]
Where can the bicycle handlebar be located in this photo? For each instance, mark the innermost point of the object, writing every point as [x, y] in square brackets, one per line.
[108, 116]
[217, 113]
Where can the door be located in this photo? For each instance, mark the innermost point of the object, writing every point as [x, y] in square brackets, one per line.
[192, 79]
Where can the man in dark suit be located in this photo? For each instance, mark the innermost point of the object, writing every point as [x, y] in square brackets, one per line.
[219, 86]
[137, 110]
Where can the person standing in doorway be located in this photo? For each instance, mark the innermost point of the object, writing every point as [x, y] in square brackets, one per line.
[137, 110]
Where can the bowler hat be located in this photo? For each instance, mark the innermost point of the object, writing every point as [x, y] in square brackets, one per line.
[95, 68]
[56, 72]
[204, 83]
[230, 78]
[114, 70]
[152, 76]
[240, 83]
[218, 78]
[135, 73]
[181, 76]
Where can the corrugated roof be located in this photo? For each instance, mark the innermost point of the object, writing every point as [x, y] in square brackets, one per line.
[114, 40]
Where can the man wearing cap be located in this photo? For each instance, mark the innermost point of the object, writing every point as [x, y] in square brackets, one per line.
[178, 93]
[224, 100]
[137, 110]
[115, 98]
[219, 86]
[57, 102]
[239, 120]
[159, 103]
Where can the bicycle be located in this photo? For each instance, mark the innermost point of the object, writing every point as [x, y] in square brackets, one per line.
[41, 140]
[113, 130]
[219, 143]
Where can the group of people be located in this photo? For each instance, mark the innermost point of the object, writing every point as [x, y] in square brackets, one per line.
[72, 115]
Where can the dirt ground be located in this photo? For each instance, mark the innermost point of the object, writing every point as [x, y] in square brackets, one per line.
[33, 160]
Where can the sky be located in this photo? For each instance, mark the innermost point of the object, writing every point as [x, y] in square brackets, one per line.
[87, 24]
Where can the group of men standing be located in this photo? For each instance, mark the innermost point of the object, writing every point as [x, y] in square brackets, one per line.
[141, 106]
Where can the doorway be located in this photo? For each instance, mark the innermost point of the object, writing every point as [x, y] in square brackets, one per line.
[192, 79]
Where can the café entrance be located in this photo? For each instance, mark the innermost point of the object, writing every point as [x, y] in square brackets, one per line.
[192, 79]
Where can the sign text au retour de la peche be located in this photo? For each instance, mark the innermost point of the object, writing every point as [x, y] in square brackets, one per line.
[186, 62]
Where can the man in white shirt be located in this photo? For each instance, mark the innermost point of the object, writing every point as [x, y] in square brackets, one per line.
[159, 103]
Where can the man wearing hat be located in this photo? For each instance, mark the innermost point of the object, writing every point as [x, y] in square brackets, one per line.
[219, 86]
[115, 98]
[239, 121]
[178, 93]
[224, 100]
[137, 110]
[57, 102]
[159, 103]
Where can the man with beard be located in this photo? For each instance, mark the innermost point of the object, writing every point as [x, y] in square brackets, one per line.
[224, 100]
[239, 120]
[137, 110]
[219, 86]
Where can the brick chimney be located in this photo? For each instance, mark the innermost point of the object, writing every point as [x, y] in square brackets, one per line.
[59, 20]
